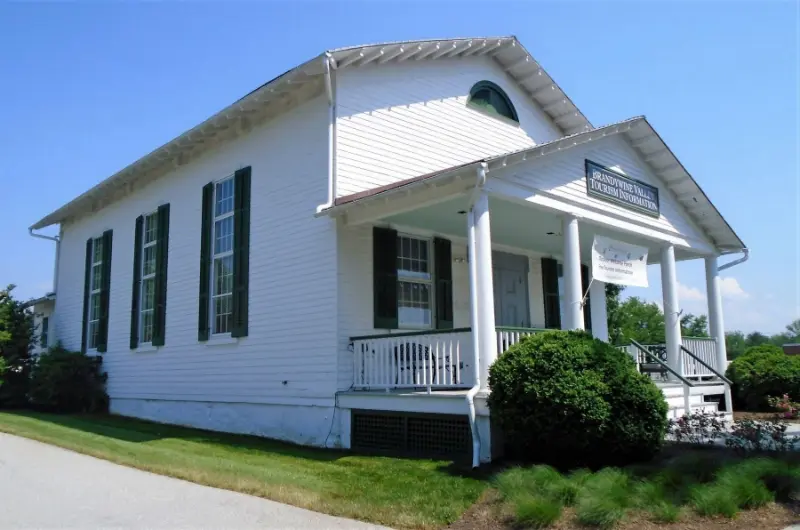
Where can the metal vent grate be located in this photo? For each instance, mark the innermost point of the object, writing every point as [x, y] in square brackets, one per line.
[406, 433]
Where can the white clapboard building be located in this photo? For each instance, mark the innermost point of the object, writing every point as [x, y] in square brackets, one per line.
[337, 258]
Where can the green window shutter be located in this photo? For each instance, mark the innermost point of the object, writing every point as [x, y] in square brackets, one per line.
[137, 281]
[162, 254]
[587, 308]
[241, 251]
[384, 277]
[86, 279]
[443, 278]
[205, 261]
[552, 313]
[105, 292]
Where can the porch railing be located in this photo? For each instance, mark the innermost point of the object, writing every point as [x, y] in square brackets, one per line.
[703, 349]
[436, 359]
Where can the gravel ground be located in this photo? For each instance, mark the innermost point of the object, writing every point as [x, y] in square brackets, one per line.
[47, 487]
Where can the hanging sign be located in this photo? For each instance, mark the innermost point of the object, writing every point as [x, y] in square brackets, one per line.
[612, 186]
[618, 262]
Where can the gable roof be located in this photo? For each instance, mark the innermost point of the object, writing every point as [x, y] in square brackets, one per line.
[640, 135]
[307, 81]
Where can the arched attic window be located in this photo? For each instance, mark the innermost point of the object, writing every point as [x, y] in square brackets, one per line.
[490, 98]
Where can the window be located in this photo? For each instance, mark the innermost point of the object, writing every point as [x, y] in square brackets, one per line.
[43, 337]
[222, 257]
[95, 290]
[225, 257]
[490, 98]
[414, 282]
[148, 272]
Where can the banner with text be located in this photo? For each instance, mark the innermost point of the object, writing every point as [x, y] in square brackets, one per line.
[617, 262]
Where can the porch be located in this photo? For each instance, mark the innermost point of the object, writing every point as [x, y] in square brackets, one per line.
[437, 360]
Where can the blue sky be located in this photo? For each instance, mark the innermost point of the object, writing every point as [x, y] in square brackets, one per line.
[89, 88]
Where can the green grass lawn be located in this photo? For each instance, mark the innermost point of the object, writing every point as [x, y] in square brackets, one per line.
[681, 484]
[402, 493]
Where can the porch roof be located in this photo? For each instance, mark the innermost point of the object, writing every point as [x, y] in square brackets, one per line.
[640, 135]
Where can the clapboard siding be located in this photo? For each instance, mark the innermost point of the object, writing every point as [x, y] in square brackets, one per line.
[398, 121]
[355, 290]
[289, 355]
[563, 176]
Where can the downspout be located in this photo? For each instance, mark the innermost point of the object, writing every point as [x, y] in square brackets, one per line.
[57, 239]
[473, 302]
[330, 64]
[745, 251]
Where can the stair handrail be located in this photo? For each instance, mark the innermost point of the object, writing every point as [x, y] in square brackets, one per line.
[701, 361]
[662, 363]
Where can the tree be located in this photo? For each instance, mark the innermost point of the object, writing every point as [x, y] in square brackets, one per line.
[613, 303]
[16, 340]
[694, 326]
[794, 329]
[735, 344]
[756, 338]
[640, 321]
[779, 339]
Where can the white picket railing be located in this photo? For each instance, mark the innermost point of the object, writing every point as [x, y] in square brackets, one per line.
[704, 349]
[431, 360]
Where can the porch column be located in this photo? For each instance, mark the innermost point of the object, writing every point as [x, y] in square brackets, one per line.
[715, 321]
[672, 321]
[573, 293]
[487, 336]
[597, 305]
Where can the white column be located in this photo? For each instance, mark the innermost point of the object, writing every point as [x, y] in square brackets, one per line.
[573, 292]
[597, 306]
[672, 321]
[715, 321]
[487, 335]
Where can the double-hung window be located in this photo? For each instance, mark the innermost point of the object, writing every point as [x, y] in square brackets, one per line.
[225, 257]
[96, 292]
[222, 258]
[148, 286]
[95, 289]
[414, 283]
[149, 295]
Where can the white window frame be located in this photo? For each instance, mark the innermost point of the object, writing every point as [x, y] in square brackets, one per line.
[152, 276]
[419, 278]
[215, 256]
[94, 292]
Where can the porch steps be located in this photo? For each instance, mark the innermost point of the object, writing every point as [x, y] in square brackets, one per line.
[673, 394]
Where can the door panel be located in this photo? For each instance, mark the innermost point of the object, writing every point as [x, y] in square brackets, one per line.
[511, 290]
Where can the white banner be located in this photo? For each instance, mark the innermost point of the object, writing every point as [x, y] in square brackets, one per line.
[618, 262]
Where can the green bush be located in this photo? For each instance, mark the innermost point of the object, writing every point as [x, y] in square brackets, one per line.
[761, 372]
[537, 512]
[65, 381]
[564, 398]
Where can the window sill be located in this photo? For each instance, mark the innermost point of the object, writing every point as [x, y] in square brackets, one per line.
[221, 340]
[146, 348]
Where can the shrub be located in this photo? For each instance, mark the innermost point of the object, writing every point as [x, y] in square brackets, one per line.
[16, 340]
[761, 372]
[698, 428]
[751, 436]
[65, 381]
[565, 398]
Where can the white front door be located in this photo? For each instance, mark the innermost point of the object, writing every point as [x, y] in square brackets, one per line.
[510, 275]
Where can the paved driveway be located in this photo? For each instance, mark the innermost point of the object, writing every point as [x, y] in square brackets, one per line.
[42, 486]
